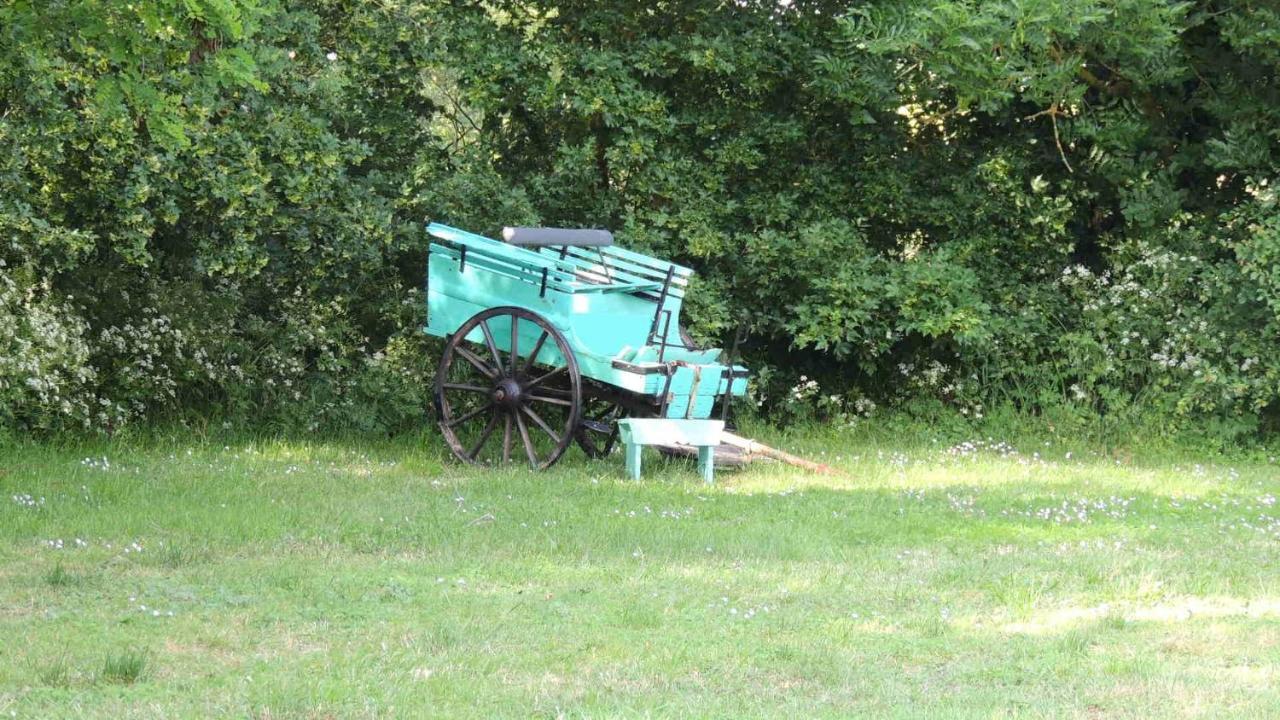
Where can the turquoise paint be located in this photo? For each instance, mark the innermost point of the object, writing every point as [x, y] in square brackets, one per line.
[602, 318]
[702, 434]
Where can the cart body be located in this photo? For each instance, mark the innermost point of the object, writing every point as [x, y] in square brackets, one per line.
[618, 310]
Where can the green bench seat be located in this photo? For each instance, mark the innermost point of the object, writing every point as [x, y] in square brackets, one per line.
[702, 434]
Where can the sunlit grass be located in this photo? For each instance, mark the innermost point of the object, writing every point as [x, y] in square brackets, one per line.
[981, 578]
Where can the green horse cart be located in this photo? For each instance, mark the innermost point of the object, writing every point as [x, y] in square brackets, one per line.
[552, 336]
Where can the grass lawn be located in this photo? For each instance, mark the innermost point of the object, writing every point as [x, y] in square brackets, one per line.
[288, 579]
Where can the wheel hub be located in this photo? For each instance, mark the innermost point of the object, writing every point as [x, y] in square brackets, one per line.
[507, 393]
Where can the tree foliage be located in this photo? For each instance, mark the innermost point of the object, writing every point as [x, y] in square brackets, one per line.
[216, 205]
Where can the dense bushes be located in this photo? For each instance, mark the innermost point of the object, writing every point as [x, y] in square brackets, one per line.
[212, 208]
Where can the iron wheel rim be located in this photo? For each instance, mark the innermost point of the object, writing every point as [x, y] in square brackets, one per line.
[529, 405]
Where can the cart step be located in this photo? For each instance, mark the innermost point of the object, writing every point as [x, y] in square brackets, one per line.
[702, 434]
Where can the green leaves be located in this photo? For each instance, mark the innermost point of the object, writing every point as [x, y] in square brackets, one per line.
[235, 68]
[898, 185]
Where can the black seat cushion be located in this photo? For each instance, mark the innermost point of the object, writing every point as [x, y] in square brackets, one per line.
[556, 236]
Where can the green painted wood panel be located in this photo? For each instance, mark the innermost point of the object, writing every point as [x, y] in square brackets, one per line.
[600, 322]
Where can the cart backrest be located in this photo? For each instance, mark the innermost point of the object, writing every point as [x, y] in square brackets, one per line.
[654, 281]
[612, 264]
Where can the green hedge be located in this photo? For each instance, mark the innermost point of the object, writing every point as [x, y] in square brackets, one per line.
[214, 207]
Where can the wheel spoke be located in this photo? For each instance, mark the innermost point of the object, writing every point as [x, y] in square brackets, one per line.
[484, 436]
[542, 424]
[555, 391]
[506, 441]
[493, 347]
[546, 377]
[477, 362]
[537, 348]
[463, 418]
[552, 400]
[515, 346]
[466, 387]
[528, 444]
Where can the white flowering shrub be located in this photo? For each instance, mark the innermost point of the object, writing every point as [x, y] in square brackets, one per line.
[184, 355]
[141, 364]
[1174, 332]
[1178, 329]
[46, 379]
[806, 401]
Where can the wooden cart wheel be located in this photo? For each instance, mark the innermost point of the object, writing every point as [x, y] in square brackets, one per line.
[598, 431]
[521, 405]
